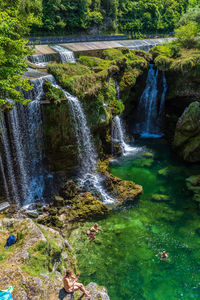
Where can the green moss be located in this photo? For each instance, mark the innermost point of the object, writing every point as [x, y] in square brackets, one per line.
[42, 257]
[86, 207]
[173, 58]
[53, 94]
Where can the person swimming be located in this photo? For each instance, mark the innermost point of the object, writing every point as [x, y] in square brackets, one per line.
[163, 254]
[91, 233]
[71, 285]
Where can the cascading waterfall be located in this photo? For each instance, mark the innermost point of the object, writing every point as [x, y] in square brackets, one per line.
[150, 114]
[23, 148]
[65, 54]
[162, 102]
[38, 59]
[89, 176]
[9, 161]
[118, 130]
[4, 179]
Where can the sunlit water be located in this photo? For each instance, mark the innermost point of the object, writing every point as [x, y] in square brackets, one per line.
[123, 257]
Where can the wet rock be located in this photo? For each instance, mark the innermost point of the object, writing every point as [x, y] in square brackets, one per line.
[69, 190]
[121, 190]
[59, 201]
[85, 207]
[187, 134]
[32, 214]
[159, 197]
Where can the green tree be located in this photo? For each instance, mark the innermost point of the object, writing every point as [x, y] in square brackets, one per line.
[191, 15]
[186, 35]
[13, 50]
[29, 12]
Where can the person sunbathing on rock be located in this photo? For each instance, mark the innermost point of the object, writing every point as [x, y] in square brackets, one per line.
[163, 254]
[91, 232]
[71, 285]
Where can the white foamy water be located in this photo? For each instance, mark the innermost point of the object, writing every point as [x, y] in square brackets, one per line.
[150, 114]
[65, 54]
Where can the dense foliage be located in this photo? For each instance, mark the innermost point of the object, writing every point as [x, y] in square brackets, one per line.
[16, 18]
[136, 17]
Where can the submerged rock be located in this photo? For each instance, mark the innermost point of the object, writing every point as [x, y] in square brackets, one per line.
[159, 197]
[187, 134]
[164, 172]
[148, 155]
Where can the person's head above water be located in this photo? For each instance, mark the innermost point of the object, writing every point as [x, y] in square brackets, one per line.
[68, 273]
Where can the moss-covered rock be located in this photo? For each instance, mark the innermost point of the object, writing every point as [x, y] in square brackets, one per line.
[121, 190]
[92, 80]
[85, 207]
[187, 134]
[31, 263]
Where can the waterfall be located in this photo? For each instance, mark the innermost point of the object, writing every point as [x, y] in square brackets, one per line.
[65, 54]
[4, 179]
[118, 130]
[89, 176]
[23, 147]
[150, 114]
[9, 161]
[162, 102]
[38, 59]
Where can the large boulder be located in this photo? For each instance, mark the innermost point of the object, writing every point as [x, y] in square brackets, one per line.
[36, 263]
[187, 134]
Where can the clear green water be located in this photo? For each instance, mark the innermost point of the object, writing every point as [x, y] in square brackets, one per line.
[123, 256]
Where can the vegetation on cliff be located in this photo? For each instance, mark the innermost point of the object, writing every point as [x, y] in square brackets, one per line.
[92, 80]
[182, 54]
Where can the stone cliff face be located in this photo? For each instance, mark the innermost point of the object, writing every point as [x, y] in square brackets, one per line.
[182, 91]
[187, 134]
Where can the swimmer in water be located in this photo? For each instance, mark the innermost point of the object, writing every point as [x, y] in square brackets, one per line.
[163, 255]
[91, 233]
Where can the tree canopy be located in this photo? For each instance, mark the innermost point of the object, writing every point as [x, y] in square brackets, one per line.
[135, 16]
[13, 50]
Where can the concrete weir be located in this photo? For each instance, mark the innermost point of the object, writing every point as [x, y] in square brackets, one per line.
[83, 48]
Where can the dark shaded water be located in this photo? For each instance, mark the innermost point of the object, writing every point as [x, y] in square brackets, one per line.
[123, 256]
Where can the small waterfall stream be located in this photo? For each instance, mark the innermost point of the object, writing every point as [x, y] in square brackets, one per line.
[39, 59]
[118, 130]
[23, 147]
[150, 114]
[89, 178]
[65, 54]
